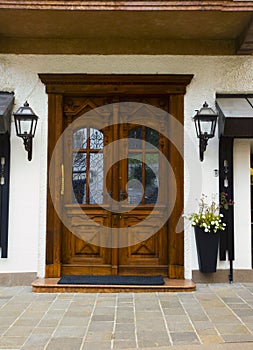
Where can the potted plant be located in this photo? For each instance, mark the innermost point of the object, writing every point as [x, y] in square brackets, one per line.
[208, 223]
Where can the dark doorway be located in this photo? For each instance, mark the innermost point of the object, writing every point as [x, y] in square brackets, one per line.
[6, 105]
[4, 192]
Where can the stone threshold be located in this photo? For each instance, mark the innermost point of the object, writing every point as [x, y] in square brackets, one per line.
[49, 285]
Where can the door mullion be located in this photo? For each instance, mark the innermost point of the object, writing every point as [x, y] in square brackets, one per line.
[143, 163]
[115, 189]
[115, 154]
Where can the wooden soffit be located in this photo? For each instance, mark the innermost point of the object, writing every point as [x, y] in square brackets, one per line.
[125, 27]
[245, 42]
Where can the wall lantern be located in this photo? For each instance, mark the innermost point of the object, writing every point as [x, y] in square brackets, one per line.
[205, 123]
[25, 123]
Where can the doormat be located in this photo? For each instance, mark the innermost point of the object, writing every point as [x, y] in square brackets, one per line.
[112, 280]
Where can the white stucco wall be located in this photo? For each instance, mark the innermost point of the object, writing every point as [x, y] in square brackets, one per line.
[242, 197]
[28, 179]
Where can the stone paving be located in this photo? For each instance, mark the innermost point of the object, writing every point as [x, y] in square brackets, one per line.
[215, 314]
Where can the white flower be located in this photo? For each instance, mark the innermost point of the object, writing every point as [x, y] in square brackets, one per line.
[221, 215]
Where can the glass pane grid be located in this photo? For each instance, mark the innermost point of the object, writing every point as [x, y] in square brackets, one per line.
[96, 139]
[135, 178]
[151, 178]
[80, 139]
[143, 166]
[96, 179]
[87, 166]
[79, 166]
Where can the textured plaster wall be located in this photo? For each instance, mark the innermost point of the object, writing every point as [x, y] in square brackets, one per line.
[28, 179]
[242, 197]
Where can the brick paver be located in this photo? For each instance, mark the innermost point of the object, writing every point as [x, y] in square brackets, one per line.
[214, 316]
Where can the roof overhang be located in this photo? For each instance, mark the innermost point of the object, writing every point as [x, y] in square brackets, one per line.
[235, 115]
[126, 27]
[6, 105]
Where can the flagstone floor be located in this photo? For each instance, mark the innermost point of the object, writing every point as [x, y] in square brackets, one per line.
[214, 314]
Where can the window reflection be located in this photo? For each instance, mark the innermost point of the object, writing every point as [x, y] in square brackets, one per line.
[87, 166]
[143, 166]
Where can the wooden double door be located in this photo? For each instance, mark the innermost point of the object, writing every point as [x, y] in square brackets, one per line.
[109, 181]
[114, 171]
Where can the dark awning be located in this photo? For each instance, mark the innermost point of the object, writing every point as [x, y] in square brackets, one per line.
[235, 115]
[6, 105]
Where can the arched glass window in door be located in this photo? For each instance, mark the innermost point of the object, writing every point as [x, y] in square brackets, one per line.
[143, 165]
[87, 166]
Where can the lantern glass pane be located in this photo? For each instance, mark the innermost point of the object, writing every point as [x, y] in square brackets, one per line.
[206, 127]
[197, 126]
[17, 125]
[26, 126]
[213, 127]
[33, 126]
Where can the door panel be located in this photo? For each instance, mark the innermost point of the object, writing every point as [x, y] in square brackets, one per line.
[84, 252]
[141, 255]
[89, 251]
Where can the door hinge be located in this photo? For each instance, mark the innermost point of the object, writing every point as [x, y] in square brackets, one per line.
[62, 180]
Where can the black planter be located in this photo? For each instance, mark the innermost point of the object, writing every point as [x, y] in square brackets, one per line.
[207, 248]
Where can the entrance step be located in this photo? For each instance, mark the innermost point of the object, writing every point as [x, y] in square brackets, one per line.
[49, 285]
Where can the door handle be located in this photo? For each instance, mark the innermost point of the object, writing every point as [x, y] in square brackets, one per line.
[62, 180]
[2, 178]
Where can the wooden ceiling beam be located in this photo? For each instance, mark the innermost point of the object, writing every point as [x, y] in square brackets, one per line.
[245, 41]
[131, 5]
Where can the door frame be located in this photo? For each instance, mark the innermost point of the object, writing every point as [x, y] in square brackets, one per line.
[58, 85]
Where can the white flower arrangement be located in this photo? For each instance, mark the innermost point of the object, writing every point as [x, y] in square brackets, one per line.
[208, 216]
